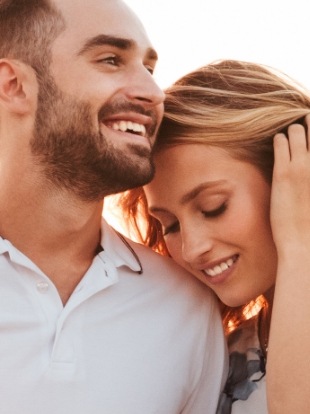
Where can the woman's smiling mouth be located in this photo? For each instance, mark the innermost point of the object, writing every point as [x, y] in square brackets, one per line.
[221, 267]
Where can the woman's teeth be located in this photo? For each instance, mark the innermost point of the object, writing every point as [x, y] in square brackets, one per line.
[220, 268]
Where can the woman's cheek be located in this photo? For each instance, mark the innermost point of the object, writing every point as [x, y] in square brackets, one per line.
[174, 246]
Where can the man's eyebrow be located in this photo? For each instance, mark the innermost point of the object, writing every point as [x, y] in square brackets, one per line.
[151, 54]
[118, 42]
[197, 190]
[103, 39]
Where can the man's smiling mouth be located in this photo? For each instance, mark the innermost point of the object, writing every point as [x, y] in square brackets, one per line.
[128, 126]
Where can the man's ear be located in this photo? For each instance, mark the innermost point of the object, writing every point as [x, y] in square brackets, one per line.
[14, 86]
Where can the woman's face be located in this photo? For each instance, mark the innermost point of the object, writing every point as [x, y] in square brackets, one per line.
[214, 211]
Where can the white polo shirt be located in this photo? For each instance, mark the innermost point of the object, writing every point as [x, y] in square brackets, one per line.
[125, 343]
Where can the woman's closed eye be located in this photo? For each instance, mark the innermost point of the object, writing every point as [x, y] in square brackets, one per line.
[174, 227]
[215, 212]
[171, 228]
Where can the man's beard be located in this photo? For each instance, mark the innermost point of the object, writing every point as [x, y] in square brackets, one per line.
[76, 157]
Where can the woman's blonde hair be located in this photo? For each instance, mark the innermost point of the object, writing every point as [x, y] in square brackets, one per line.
[238, 106]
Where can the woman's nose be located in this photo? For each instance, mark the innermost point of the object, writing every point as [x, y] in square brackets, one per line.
[195, 244]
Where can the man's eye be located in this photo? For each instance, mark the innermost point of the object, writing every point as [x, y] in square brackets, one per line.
[150, 69]
[110, 60]
[173, 228]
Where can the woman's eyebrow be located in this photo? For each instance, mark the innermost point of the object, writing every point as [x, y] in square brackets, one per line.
[197, 190]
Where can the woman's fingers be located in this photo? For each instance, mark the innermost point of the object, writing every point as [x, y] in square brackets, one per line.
[282, 154]
[297, 139]
[290, 195]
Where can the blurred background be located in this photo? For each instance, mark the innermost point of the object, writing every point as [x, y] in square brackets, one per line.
[190, 33]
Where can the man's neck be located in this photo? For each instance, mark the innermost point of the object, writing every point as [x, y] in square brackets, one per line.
[59, 233]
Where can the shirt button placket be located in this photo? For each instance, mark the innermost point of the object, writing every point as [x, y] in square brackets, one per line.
[42, 286]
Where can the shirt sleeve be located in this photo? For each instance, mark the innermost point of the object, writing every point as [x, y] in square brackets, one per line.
[209, 377]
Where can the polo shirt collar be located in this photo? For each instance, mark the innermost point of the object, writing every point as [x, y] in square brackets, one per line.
[118, 249]
[4, 248]
[115, 246]
[17, 256]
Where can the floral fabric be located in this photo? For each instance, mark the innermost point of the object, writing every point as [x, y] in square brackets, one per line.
[245, 390]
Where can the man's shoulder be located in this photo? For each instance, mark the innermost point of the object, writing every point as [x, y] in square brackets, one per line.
[165, 269]
[151, 259]
[158, 274]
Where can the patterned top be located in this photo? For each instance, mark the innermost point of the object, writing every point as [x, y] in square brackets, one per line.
[245, 390]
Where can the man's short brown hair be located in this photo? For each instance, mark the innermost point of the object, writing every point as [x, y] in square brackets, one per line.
[27, 30]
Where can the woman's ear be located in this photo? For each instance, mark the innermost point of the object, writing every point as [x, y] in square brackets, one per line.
[14, 86]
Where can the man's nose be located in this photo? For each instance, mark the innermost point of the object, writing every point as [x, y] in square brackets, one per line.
[143, 89]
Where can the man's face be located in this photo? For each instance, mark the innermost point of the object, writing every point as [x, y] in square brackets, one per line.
[99, 107]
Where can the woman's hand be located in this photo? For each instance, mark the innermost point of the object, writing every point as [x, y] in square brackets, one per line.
[290, 194]
[288, 373]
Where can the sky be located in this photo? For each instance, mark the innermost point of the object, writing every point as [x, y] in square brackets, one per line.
[190, 33]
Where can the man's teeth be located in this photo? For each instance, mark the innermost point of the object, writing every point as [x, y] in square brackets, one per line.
[220, 268]
[129, 126]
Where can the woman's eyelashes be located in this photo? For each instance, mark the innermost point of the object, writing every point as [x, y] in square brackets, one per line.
[209, 214]
[216, 211]
[172, 228]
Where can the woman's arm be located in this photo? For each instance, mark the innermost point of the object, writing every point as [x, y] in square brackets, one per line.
[288, 366]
